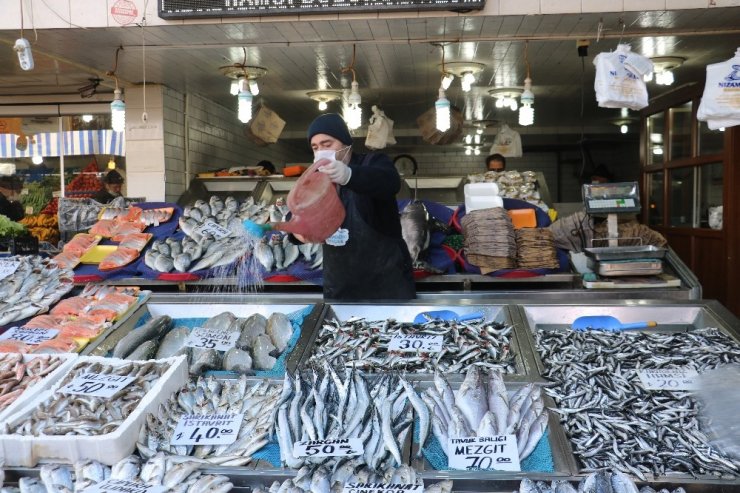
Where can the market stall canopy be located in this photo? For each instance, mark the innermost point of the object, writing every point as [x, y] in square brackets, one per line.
[73, 143]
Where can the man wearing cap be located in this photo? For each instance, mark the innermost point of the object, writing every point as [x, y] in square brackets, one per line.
[367, 257]
[112, 184]
[10, 187]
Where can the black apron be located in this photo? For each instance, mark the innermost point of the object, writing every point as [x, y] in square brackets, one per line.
[370, 266]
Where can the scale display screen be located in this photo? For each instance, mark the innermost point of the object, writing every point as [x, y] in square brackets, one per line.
[608, 198]
[195, 9]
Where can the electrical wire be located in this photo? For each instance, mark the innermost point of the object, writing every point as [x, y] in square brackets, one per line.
[144, 115]
[351, 67]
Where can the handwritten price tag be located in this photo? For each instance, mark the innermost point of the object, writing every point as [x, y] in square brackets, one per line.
[342, 447]
[483, 453]
[381, 488]
[207, 429]
[205, 338]
[111, 485]
[28, 335]
[412, 343]
[8, 267]
[216, 230]
[669, 379]
[96, 385]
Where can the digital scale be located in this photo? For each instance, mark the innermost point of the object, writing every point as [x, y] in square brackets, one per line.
[613, 260]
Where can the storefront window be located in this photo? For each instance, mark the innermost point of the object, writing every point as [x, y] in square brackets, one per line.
[681, 198]
[681, 131]
[656, 146]
[710, 196]
[710, 141]
[655, 198]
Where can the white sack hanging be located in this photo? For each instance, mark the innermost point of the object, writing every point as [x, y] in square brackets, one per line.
[720, 103]
[615, 85]
[507, 142]
[380, 130]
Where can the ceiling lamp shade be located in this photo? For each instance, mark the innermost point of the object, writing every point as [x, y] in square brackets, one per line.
[118, 112]
[324, 97]
[466, 71]
[442, 112]
[506, 97]
[663, 67]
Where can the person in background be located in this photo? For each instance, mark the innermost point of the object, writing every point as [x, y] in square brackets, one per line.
[496, 162]
[267, 166]
[10, 188]
[367, 257]
[112, 184]
[601, 175]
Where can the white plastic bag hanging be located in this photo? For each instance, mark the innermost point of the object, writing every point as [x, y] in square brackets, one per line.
[380, 130]
[720, 103]
[507, 142]
[615, 85]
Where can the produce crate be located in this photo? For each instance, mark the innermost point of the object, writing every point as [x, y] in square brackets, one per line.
[23, 245]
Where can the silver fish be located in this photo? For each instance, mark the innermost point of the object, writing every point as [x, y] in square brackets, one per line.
[415, 228]
[154, 329]
[280, 330]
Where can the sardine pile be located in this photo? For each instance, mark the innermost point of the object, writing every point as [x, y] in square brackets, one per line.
[35, 285]
[322, 480]
[260, 342]
[324, 404]
[178, 477]
[612, 420]
[597, 482]
[211, 396]
[364, 344]
[66, 414]
[16, 376]
[481, 407]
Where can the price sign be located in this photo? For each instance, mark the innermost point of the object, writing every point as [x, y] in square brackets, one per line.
[412, 343]
[382, 488]
[29, 335]
[56, 194]
[340, 447]
[216, 230]
[111, 485]
[24, 191]
[218, 339]
[29, 210]
[669, 379]
[207, 429]
[483, 453]
[8, 267]
[96, 385]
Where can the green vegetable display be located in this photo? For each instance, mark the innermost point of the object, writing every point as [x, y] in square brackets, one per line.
[39, 194]
[10, 228]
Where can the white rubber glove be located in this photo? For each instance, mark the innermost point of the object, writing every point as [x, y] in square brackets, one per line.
[338, 172]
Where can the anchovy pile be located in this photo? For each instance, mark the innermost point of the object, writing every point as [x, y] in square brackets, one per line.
[598, 482]
[364, 344]
[211, 396]
[612, 420]
[352, 472]
[328, 404]
[16, 376]
[68, 414]
[35, 285]
[483, 408]
[177, 477]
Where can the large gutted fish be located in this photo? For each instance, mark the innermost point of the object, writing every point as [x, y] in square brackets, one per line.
[415, 228]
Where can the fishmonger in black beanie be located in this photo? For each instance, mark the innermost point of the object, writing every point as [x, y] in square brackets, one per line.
[330, 124]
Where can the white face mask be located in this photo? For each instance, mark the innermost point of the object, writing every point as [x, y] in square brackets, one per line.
[330, 154]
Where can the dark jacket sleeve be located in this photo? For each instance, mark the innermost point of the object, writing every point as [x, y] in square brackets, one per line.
[378, 177]
[13, 210]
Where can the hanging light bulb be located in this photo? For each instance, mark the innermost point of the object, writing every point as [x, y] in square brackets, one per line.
[87, 118]
[468, 139]
[623, 129]
[442, 110]
[476, 139]
[244, 105]
[647, 77]
[468, 151]
[234, 88]
[624, 112]
[118, 112]
[111, 163]
[499, 102]
[36, 159]
[664, 78]
[323, 106]
[526, 112]
[513, 105]
[467, 81]
[477, 151]
[447, 81]
[479, 131]
[354, 110]
[253, 87]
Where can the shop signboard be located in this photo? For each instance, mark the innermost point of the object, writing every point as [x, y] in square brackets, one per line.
[195, 9]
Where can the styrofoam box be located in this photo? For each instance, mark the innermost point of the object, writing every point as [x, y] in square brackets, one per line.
[68, 359]
[18, 450]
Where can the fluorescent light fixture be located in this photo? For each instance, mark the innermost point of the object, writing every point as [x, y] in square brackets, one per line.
[442, 110]
[118, 112]
[354, 110]
[623, 128]
[36, 159]
[447, 81]
[467, 81]
[244, 102]
[253, 87]
[234, 88]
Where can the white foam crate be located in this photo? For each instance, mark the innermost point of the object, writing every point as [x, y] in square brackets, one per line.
[27, 451]
[44, 384]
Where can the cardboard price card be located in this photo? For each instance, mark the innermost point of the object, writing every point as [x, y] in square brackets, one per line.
[382, 488]
[205, 338]
[207, 429]
[216, 230]
[8, 267]
[29, 335]
[412, 343]
[111, 485]
[341, 447]
[96, 385]
[484, 453]
[669, 379]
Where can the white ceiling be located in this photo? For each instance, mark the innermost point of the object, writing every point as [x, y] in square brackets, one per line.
[396, 64]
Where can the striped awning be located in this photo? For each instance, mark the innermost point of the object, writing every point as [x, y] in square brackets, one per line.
[74, 143]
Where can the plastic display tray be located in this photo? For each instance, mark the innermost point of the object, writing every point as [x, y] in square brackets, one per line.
[626, 252]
